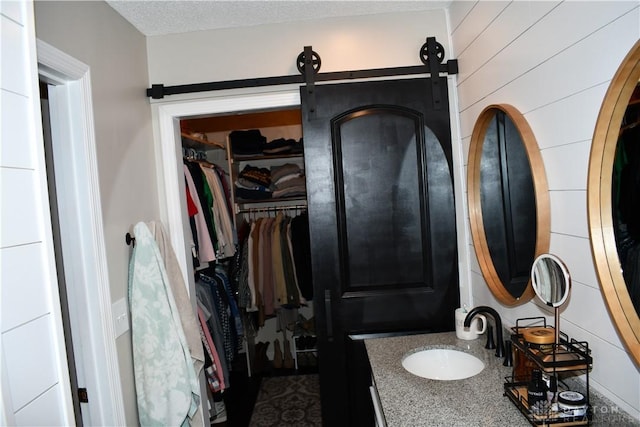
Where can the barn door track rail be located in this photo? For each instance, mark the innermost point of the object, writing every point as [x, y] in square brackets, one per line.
[308, 62]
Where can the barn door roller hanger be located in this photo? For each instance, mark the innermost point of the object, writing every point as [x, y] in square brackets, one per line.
[308, 62]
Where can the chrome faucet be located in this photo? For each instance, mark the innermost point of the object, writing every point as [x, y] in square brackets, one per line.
[497, 320]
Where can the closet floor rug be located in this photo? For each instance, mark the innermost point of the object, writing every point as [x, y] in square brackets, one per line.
[292, 400]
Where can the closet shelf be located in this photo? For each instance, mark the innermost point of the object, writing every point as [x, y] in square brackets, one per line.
[190, 141]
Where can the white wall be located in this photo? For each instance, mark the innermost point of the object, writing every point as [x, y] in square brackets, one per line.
[92, 32]
[553, 61]
[35, 379]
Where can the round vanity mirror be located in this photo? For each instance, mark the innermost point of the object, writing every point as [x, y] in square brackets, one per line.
[551, 283]
[508, 202]
[613, 197]
[550, 280]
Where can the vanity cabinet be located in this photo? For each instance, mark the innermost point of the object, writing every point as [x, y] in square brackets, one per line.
[563, 360]
[380, 421]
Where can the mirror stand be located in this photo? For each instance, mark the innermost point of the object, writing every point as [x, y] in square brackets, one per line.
[551, 282]
[556, 324]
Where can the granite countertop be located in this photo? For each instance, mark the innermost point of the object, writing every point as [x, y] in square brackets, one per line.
[409, 400]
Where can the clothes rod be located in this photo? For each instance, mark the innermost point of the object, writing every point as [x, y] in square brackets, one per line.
[272, 209]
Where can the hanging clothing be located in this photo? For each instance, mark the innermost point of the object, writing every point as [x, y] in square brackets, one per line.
[223, 317]
[266, 272]
[167, 387]
[291, 282]
[266, 275]
[223, 224]
[215, 375]
[245, 297]
[207, 187]
[280, 287]
[185, 310]
[251, 274]
[179, 289]
[301, 249]
[207, 304]
[206, 252]
[205, 196]
[191, 206]
[226, 189]
[225, 288]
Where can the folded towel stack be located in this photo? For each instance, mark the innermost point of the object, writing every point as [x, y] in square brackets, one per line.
[254, 183]
[287, 181]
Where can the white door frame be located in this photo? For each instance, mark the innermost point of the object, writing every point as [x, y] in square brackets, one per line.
[82, 234]
[171, 189]
[169, 155]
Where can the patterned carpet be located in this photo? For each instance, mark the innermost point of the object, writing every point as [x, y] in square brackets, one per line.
[288, 401]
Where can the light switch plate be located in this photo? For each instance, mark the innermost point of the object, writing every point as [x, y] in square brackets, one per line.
[120, 317]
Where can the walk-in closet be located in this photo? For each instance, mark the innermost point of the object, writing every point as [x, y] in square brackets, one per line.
[246, 201]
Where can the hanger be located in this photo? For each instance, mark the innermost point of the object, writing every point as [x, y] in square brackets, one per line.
[631, 117]
[631, 125]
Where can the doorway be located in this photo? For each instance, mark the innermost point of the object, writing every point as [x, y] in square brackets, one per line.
[82, 234]
[57, 246]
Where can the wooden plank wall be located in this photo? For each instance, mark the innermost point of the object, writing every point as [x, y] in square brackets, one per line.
[554, 62]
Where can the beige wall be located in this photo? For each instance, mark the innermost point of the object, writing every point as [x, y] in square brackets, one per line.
[554, 62]
[95, 34]
[372, 41]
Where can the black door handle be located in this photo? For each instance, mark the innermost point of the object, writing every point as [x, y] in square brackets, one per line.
[327, 313]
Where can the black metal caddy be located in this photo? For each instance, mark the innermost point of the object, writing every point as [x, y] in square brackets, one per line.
[564, 359]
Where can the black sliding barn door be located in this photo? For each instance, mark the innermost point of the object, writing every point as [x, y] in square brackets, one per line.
[382, 224]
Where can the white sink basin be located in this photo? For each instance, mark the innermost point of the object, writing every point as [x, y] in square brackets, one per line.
[442, 364]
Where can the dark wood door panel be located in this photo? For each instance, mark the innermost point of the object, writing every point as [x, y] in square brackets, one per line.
[382, 224]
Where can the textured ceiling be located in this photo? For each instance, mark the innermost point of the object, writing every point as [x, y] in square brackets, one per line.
[158, 17]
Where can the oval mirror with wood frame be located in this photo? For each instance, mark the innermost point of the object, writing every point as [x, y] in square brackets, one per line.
[508, 202]
[613, 196]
